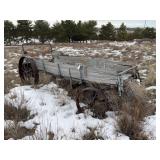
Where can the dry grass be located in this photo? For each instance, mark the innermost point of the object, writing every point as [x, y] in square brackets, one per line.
[130, 126]
[50, 135]
[134, 108]
[43, 134]
[10, 81]
[44, 78]
[17, 132]
[151, 77]
[92, 135]
[17, 114]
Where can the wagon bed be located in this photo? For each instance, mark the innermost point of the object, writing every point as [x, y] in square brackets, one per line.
[83, 69]
[96, 70]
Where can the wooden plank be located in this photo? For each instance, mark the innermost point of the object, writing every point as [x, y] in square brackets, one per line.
[125, 71]
[89, 60]
[89, 76]
[67, 66]
[94, 63]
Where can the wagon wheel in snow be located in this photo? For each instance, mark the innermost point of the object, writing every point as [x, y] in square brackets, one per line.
[28, 71]
[87, 96]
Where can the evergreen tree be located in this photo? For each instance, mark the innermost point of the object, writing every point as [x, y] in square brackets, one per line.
[41, 30]
[149, 33]
[9, 32]
[107, 32]
[69, 31]
[130, 36]
[90, 30]
[69, 28]
[138, 33]
[122, 33]
[24, 29]
[80, 32]
[58, 33]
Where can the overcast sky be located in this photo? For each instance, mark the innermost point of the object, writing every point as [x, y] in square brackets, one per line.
[117, 23]
[131, 23]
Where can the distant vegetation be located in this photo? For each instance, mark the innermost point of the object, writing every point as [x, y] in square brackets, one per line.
[70, 31]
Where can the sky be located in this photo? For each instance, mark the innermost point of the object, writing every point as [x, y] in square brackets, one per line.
[117, 23]
[130, 23]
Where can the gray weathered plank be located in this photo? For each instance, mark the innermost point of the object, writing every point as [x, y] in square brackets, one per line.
[94, 63]
[88, 73]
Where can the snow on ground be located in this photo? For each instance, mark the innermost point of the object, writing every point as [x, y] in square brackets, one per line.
[116, 53]
[151, 88]
[8, 123]
[56, 113]
[121, 44]
[88, 51]
[71, 51]
[150, 126]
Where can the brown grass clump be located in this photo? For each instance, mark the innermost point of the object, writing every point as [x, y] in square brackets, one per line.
[10, 77]
[92, 135]
[17, 114]
[134, 108]
[17, 132]
[50, 135]
[151, 77]
[45, 78]
[130, 126]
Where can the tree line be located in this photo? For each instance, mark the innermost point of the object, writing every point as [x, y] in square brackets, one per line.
[70, 31]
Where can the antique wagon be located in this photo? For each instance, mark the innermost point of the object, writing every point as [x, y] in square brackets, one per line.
[76, 68]
[96, 73]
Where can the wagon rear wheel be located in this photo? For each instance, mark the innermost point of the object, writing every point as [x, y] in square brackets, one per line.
[28, 71]
[87, 95]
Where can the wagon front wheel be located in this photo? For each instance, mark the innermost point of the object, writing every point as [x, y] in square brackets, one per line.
[28, 71]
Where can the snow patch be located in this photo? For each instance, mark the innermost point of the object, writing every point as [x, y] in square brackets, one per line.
[116, 53]
[151, 88]
[61, 118]
[150, 126]
[121, 44]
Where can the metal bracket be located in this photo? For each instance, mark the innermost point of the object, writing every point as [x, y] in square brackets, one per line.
[120, 85]
[43, 65]
[59, 70]
[70, 78]
[80, 68]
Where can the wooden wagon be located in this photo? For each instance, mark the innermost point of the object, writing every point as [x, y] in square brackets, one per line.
[77, 68]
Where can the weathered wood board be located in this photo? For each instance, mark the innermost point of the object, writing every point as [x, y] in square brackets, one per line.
[94, 70]
[94, 63]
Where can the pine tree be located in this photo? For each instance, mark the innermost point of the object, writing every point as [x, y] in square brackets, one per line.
[9, 32]
[90, 30]
[80, 32]
[138, 33]
[149, 33]
[69, 27]
[41, 30]
[122, 33]
[24, 30]
[58, 33]
[107, 32]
